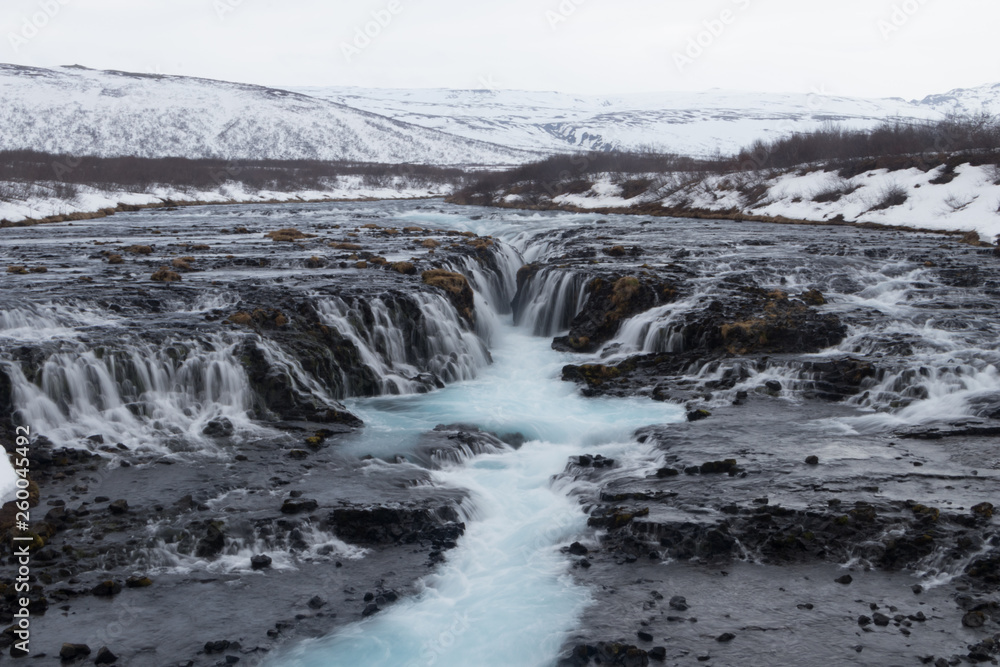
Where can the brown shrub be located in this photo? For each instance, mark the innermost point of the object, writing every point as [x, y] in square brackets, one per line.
[430, 244]
[615, 251]
[183, 263]
[39, 269]
[378, 261]
[165, 275]
[140, 250]
[241, 318]
[406, 268]
[115, 259]
[289, 234]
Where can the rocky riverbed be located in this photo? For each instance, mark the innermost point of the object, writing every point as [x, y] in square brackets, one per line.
[213, 481]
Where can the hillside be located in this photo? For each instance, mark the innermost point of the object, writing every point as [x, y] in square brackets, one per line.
[698, 124]
[79, 111]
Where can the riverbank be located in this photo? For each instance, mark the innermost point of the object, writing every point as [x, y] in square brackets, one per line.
[89, 203]
[951, 198]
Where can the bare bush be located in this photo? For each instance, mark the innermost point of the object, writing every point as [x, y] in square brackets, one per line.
[891, 195]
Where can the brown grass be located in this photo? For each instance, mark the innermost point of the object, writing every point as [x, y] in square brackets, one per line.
[17, 269]
[39, 269]
[624, 291]
[289, 234]
[446, 280]
[140, 250]
[430, 244]
[242, 318]
[165, 275]
[406, 268]
[115, 258]
[183, 263]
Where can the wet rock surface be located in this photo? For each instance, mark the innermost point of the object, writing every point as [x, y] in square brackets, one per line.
[222, 536]
[821, 499]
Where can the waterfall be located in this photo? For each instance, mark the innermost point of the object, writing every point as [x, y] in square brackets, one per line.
[550, 300]
[139, 395]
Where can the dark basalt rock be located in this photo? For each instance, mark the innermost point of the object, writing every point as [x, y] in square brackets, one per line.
[610, 302]
[73, 652]
[394, 525]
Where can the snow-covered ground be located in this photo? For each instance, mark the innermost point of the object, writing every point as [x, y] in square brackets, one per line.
[700, 123]
[39, 204]
[969, 202]
[79, 111]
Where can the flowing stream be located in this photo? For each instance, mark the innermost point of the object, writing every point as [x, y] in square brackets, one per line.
[507, 567]
[202, 396]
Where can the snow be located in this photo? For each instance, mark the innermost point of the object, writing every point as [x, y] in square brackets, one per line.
[970, 202]
[700, 124]
[89, 199]
[78, 111]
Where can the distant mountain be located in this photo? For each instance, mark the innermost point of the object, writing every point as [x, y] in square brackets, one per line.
[81, 111]
[966, 100]
[688, 123]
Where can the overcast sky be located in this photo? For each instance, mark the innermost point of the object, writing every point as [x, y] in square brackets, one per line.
[876, 48]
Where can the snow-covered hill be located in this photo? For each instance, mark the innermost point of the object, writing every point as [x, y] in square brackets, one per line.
[687, 123]
[966, 100]
[81, 111]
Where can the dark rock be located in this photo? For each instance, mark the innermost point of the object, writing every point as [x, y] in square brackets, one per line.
[812, 460]
[220, 427]
[679, 603]
[370, 609]
[212, 542]
[298, 506]
[138, 582]
[106, 589]
[260, 562]
[105, 657]
[118, 507]
[220, 646]
[644, 636]
[725, 637]
[394, 525]
[611, 301]
[663, 473]
[658, 654]
[974, 619]
[845, 580]
[316, 603]
[71, 652]
[578, 549]
[718, 467]
[864, 620]
[773, 386]
[698, 415]
[880, 619]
